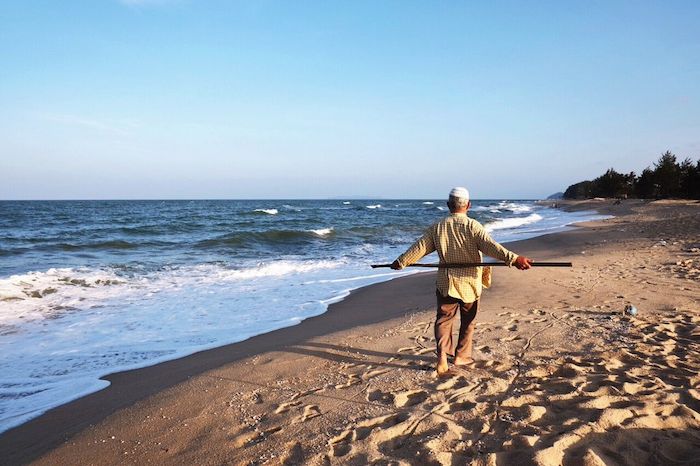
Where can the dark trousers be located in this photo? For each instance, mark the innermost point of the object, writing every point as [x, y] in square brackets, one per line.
[447, 308]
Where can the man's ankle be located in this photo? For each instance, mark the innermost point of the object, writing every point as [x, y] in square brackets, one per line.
[465, 359]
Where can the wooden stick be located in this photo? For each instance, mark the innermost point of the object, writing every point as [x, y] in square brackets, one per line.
[479, 264]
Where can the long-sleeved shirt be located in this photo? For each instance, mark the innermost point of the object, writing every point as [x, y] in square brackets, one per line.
[457, 239]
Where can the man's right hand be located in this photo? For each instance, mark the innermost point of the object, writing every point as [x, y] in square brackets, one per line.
[396, 266]
[522, 263]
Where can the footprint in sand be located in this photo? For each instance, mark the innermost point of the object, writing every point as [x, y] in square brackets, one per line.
[284, 407]
[272, 430]
[342, 444]
[310, 412]
[409, 398]
[298, 395]
[484, 349]
[456, 382]
[352, 380]
[380, 396]
[251, 437]
[455, 407]
[408, 349]
[512, 338]
[374, 373]
[421, 327]
[244, 439]
[416, 350]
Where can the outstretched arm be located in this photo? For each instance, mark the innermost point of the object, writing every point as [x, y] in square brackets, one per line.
[424, 246]
[490, 247]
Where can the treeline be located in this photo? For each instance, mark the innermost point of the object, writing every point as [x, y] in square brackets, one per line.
[668, 179]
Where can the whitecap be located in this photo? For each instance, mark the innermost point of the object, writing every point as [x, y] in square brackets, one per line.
[346, 202]
[268, 211]
[322, 231]
[428, 203]
[512, 222]
[374, 206]
[514, 207]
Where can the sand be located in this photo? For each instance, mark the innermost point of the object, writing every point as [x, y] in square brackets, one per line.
[561, 375]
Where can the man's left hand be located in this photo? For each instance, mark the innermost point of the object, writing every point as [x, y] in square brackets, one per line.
[522, 263]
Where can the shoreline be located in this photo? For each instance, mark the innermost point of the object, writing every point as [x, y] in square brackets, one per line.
[343, 294]
[18, 444]
[358, 309]
[128, 387]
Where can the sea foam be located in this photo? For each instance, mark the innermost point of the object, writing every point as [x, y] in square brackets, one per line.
[267, 211]
[512, 222]
[322, 231]
[56, 292]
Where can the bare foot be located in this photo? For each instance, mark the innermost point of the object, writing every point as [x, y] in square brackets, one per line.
[460, 361]
[442, 368]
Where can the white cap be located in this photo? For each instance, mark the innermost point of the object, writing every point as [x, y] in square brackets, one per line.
[459, 192]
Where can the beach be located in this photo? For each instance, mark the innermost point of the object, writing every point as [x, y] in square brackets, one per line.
[561, 374]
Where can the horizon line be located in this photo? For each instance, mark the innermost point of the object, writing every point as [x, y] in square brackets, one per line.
[270, 199]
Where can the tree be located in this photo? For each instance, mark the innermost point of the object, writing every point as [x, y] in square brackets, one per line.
[667, 179]
[667, 175]
[582, 190]
[645, 187]
[689, 179]
[610, 184]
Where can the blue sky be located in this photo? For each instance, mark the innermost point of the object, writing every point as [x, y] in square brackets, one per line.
[303, 99]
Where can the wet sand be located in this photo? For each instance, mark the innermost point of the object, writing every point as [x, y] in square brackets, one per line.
[561, 375]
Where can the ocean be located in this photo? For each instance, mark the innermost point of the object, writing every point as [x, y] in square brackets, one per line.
[88, 288]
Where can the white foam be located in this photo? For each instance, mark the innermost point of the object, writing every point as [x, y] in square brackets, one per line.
[268, 211]
[346, 202]
[322, 231]
[39, 295]
[428, 203]
[512, 222]
[45, 295]
[514, 207]
[273, 269]
[352, 279]
[374, 206]
[441, 208]
[56, 347]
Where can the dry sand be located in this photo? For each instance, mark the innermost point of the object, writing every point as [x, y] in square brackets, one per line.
[561, 375]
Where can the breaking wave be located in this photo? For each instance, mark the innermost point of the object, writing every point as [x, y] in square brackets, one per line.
[512, 222]
[267, 211]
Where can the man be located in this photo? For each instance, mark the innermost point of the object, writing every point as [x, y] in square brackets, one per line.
[457, 239]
